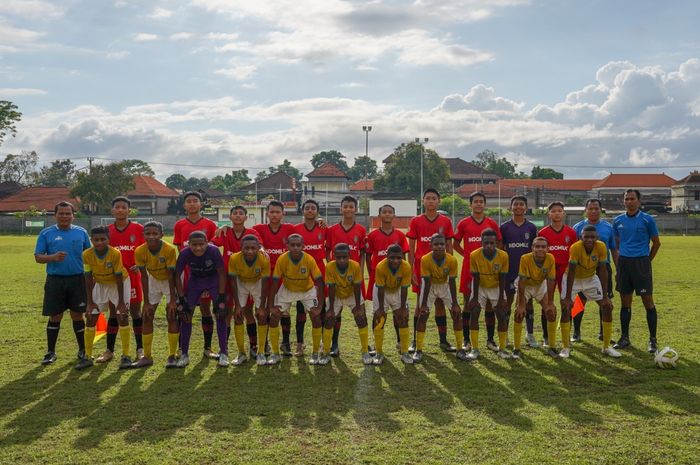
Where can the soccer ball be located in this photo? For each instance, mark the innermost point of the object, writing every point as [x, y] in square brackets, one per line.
[666, 358]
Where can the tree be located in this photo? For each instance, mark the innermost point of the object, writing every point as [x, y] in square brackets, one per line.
[18, 167]
[98, 187]
[403, 174]
[330, 156]
[193, 184]
[461, 206]
[363, 165]
[286, 167]
[262, 174]
[176, 181]
[545, 173]
[138, 168]
[58, 173]
[489, 161]
[9, 117]
[231, 182]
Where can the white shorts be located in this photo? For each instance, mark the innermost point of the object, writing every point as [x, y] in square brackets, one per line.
[437, 291]
[487, 294]
[252, 290]
[157, 289]
[349, 302]
[285, 297]
[590, 287]
[535, 292]
[103, 294]
[392, 300]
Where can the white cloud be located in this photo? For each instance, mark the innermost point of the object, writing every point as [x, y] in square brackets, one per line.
[239, 73]
[120, 55]
[351, 85]
[181, 36]
[20, 91]
[31, 9]
[640, 156]
[161, 13]
[145, 37]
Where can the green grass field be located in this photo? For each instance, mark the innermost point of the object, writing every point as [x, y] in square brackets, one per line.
[587, 409]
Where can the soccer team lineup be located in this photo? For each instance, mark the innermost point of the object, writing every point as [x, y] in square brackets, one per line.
[253, 283]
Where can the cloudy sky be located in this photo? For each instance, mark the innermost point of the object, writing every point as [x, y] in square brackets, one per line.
[586, 87]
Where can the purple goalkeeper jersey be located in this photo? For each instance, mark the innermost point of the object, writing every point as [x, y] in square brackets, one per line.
[517, 241]
[201, 268]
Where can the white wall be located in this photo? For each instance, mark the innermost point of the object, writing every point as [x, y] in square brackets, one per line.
[403, 207]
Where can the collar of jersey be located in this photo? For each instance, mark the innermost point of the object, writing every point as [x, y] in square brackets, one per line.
[296, 262]
[160, 247]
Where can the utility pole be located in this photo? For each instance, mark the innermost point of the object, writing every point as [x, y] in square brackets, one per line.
[90, 160]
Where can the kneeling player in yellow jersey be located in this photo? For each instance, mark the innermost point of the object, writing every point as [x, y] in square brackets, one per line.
[249, 275]
[588, 274]
[344, 280]
[106, 282]
[156, 259]
[438, 271]
[392, 277]
[300, 275]
[536, 280]
[489, 267]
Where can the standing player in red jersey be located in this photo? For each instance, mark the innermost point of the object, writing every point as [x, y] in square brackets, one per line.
[274, 240]
[354, 235]
[230, 239]
[420, 231]
[377, 243]
[469, 230]
[182, 230]
[560, 237]
[314, 235]
[125, 236]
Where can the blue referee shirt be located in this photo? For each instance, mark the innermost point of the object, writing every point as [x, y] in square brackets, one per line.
[605, 233]
[634, 233]
[71, 241]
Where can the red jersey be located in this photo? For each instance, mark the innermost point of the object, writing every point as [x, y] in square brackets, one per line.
[421, 229]
[559, 243]
[184, 227]
[314, 243]
[126, 240]
[232, 242]
[275, 243]
[378, 241]
[353, 237]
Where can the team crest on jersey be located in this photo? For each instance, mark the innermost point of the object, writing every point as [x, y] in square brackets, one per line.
[257, 271]
[319, 236]
[161, 259]
[349, 278]
[302, 270]
[208, 262]
[496, 267]
[446, 270]
[594, 258]
[132, 238]
[527, 236]
[356, 239]
[567, 239]
[441, 230]
[108, 264]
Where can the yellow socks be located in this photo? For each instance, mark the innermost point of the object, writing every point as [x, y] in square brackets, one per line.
[364, 338]
[173, 339]
[125, 336]
[275, 339]
[459, 339]
[379, 336]
[474, 338]
[262, 335]
[502, 338]
[420, 338]
[89, 337]
[552, 333]
[239, 334]
[565, 333]
[316, 338]
[148, 345]
[404, 335]
[607, 333]
[517, 335]
[327, 340]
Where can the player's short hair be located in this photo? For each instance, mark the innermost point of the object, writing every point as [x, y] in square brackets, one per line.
[518, 197]
[556, 203]
[121, 198]
[192, 194]
[154, 224]
[475, 195]
[429, 190]
[197, 235]
[589, 228]
[349, 198]
[312, 201]
[636, 191]
[250, 237]
[99, 230]
[488, 232]
[394, 249]
[238, 207]
[295, 236]
[341, 247]
[386, 205]
[590, 201]
[63, 204]
[437, 236]
[540, 238]
[276, 203]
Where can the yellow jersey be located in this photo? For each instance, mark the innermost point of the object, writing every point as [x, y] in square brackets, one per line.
[297, 276]
[249, 273]
[438, 272]
[106, 268]
[344, 282]
[489, 271]
[587, 264]
[532, 274]
[392, 280]
[157, 264]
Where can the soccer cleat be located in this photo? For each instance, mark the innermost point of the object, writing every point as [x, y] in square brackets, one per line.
[223, 360]
[139, 354]
[367, 358]
[467, 346]
[651, 347]
[552, 352]
[565, 352]
[335, 350]
[171, 362]
[371, 351]
[577, 338]
[142, 362]
[299, 352]
[260, 360]
[405, 358]
[274, 359]
[417, 356]
[83, 363]
[80, 355]
[623, 343]
[610, 352]
[183, 361]
[412, 347]
[545, 344]
[379, 359]
[531, 341]
[210, 354]
[324, 359]
[313, 360]
[125, 362]
[240, 359]
[253, 353]
[473, 355]
[492, 346]
[447, 347]
[461, 354]
[504, 354]
[106, 356]
[286, 349]
[517, 354]
[49, 358]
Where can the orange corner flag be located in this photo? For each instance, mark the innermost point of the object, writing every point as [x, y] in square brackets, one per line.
[100, 327]
[578, 306]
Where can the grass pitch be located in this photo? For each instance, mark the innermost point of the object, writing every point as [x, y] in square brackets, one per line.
[587, 409]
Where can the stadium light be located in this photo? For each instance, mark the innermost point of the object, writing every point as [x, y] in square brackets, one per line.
[367, 130]
[422, 154]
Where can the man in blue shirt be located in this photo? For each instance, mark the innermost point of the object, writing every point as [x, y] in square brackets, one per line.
[61, 247]
[633, 231]
[605, 235]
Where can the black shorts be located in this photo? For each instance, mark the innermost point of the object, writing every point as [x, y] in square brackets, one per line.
[63, 293]
[634, 275]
